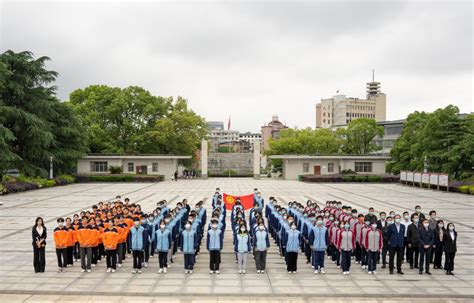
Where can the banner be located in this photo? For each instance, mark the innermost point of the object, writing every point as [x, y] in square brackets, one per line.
[246, 201]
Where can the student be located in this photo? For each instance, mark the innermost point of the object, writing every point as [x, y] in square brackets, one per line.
[318, 240]
[261, 245]
[163, 245]
[439, 232]
[84, 236]
[214, 246]
[396, 243]
[425, 246]
[137, 234]
[110, 238]
[242, 248]
[148, 231]
[61, 236]
[75, 225]
[385, 241]
[39, 235]
[346, 244]
[373, 245]
[95, 239]
[363, 235]
[70, 242]
[371, 216]
[413, 238]
[450, 238]
[291, 243]
[121, 230]
[188, 241]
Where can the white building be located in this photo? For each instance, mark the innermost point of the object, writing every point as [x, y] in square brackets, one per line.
[222, 136]
[139, 164]
[296, 165]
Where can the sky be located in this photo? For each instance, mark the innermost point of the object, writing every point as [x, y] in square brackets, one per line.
[251, 60]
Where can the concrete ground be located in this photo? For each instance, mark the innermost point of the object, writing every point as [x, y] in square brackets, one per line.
[18, 282]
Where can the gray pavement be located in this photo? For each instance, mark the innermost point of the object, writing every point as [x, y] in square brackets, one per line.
[18, 282]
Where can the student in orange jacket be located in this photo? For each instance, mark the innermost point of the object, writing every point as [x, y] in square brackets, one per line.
[60, 235]
[71, 239]
[76, 223]
[122, 235]
[95, 238]
[85, 237]
[110, 238]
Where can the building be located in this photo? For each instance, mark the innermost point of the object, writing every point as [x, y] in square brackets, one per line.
[271, 130]
[250, 137]
[212, 125]
[392, 130]
[133, 164]
[219, 136]
[341, 109]
[296, 165]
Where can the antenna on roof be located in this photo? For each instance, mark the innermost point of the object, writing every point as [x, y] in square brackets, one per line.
[373, 75]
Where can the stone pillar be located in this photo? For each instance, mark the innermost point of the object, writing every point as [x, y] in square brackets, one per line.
[256, 159]
[204, 159]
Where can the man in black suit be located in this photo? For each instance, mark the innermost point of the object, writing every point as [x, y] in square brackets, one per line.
[425, 246]
[396, 242]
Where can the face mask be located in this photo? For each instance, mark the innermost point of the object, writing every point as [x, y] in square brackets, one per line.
[354, 215]
[389, 222]
[347, 226]
[336, 223]
[326, 214]
[392, 214]
[151, 219]
[60, 224]
[331, 218]
[242, 229]
[374, 226]
[136, 223]
[293, 227]
[451, 228]
[187, 226]
[312, 219]
[418, 210]
[441, 225]
[162, 226]
[426, 225]
[320, 222]
[382, 217]
[214, 226]
[261, 227]
[398, 220]
[371, 212]
[367, 223]
[416, 220]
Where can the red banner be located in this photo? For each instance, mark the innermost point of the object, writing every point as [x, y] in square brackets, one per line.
[246, 201]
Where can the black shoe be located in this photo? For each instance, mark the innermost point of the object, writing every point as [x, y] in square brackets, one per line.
[411, 266]
[428, 273]
[416, 266]
[391, 272]
[447, 272]
[420, 272]
[451, 273]
[384, 266]
[400, 272]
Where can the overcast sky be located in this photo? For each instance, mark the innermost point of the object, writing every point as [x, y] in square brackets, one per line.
[252, 60]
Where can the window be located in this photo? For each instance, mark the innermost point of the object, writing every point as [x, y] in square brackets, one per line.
[330, 167]
[306, 167]
[99, 166]
[363, 167]
[130, 167]
[154, 167]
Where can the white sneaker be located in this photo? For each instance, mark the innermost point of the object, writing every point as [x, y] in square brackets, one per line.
[339, 266]
[294, 272]
[168, 266]
[322, 271]
[98, 261]
[119, 265]
[109, 269]
[60, 270]
[262, 271]
[344, 272]
[374, 272]
[160, 271]
[217, 272]
[145, 265]
[316, 272]
[134, 272]
[211, 272]
[244, 272]
[113, 270]
[88, 270]
[83, 270]
[93, 265]
[348, 272]
[139, 271]
[165, 270]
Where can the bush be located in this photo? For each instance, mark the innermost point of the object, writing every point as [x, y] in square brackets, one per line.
[64, 180]
[7, 178]
[119, 178]
[348, 172]
[464, 189]
[115, 169]
[16, 187]
[348, 178]
[3, 190]
[374, 178]
[360, 178]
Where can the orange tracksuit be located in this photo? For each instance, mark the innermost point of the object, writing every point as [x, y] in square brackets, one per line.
[85, 236]
[61, 237]
[110, 238]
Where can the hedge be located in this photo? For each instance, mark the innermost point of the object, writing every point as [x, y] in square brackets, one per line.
[337, 178]
[21, 183]
[119, 178]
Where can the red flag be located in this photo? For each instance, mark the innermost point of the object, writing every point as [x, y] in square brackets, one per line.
[228, 124]
[246, 201]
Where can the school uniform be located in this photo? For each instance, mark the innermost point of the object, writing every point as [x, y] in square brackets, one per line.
[188, 243]
[70, 245]
[163, 245]
[39, 257]
[242, 248]
[450, 248]
[363, 250]
[85, 237]
[76, 251]
[358, 248]
[110, 238]
[61, 235]
[95, 234]
[137, 235]
[318, 239]
[346, 244]
[214, 246]
[121, 238]
[373, 245]
[426, 238]
[291, 241]
[261, 245]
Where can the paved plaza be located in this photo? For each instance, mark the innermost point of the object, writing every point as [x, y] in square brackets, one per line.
[18, 282]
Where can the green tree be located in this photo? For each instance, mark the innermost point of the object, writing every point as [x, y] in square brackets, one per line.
[34, 124]
[360, 135]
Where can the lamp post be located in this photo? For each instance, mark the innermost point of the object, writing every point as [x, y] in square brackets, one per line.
[51, 167]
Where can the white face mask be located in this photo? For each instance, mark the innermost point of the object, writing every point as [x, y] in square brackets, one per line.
[60, 224]
[162, 226]
[293, 227]
[451, 228]
[214, 226]
[426, 225]
[261, 227]
[187, 226]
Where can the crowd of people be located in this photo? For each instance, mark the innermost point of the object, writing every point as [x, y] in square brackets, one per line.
[340, 233]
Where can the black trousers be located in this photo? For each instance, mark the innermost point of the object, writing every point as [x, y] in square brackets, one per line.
[449, 264]
[413, 254]
[189, 261]
[346, 260]
[438, 256]
[69, 255]
[425, 256]
[77, 251]
[39, 259]
[111, 258]
[358, 252]
[395, 251]
[147, 253]
[137, 259]
[214, 259]
[163, 259]
[61, 254]
[363, 256]
[291, 261]
[95, 255]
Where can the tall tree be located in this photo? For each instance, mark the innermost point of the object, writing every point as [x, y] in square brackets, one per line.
[360, 135]
[34, 124]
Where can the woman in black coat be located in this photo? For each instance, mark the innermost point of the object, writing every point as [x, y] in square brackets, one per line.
[38, 233]
[449, 247]
[438, 242]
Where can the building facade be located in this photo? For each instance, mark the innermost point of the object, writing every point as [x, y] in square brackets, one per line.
[271, 131]
[137, 164]
[218, 136]
[340, 109]
[296, 165]
[215, 125]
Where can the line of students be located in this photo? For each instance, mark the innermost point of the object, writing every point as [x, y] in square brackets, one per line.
[344, 234]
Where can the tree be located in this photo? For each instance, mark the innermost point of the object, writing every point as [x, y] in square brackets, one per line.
[34, 124]
[441, 142]
[360, 135]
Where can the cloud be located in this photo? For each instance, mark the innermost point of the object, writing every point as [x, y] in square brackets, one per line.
[253, 60]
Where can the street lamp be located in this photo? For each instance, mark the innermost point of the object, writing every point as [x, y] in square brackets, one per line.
[51, 167]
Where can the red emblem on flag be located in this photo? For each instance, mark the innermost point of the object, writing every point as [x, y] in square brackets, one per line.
[246, 201]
